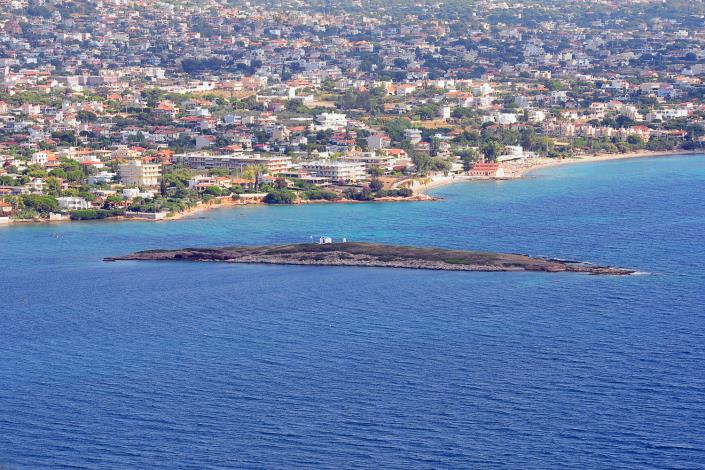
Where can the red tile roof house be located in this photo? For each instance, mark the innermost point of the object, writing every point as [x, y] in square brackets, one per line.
[5, 208]
[487, 170]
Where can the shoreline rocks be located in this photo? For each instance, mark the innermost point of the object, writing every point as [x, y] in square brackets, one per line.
[373, 255]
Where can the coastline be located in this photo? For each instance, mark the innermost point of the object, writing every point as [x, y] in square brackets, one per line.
[223, 202]
[229, 202]
[544, 162]
[514, 170]
[522, 170]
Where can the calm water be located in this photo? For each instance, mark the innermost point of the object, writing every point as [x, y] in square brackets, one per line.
[148, 365]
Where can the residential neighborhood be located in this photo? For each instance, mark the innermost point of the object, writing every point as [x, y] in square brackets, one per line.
[117, 106]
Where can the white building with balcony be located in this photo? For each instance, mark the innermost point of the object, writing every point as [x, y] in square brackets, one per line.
[336, 171]
[73, 203]
[138, 173]
[331, 121]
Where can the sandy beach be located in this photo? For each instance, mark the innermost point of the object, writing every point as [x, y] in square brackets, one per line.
[521, 170]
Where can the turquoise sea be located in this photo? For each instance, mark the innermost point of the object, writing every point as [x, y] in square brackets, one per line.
[207, 366]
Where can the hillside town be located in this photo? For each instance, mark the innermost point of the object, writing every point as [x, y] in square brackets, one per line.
[151, 109]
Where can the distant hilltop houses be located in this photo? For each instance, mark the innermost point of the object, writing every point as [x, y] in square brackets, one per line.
[127, 107]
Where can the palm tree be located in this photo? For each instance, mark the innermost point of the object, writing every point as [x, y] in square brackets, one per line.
[253, 172]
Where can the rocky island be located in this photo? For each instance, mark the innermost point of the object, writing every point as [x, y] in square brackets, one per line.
[373, 255]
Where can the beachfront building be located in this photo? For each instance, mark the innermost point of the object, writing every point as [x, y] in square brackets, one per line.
[512, 152]
[73, 203]
[307, 177]
[138, 173]
[5, 208]
[201, 183]
[487, 170]
[337, 171]
[370, 159]
[388, 159]
[273, 164]
[132, 193]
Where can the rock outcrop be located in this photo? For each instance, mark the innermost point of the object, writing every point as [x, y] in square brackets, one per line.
[373, 255]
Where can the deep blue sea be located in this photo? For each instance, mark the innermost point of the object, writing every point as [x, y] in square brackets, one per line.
[134, 365]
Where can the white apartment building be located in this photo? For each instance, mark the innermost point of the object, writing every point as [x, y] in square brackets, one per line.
[331, 121]
[371, 159]
[104, 177]
[504, 119]
[73, 203]
[667, 114]
[507, 119]
[40, 158]
[131, 193]
[137, 173]
[335, 171]
[412, 135]
[274, 164]
[536, 116]
[378, 141]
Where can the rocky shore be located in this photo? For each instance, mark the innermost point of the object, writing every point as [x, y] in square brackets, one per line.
[373, 255]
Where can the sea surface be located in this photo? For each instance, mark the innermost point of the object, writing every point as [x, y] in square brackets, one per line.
[147, 365]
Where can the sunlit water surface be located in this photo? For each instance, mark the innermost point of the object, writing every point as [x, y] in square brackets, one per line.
[204, 366]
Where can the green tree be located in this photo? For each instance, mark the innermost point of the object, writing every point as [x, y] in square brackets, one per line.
[74, 176]
[58, 172]
[376, 171]
[53, 185]
[280, 196]
[396, 127]
[214, 191]
[624, 121]
[469, 158]
[42, 204]
[423, 163]
[86, 116]
[376, 185]
[635, 140]
[492, 149]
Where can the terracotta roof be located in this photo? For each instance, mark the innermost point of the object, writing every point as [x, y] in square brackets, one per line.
[485, 166]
